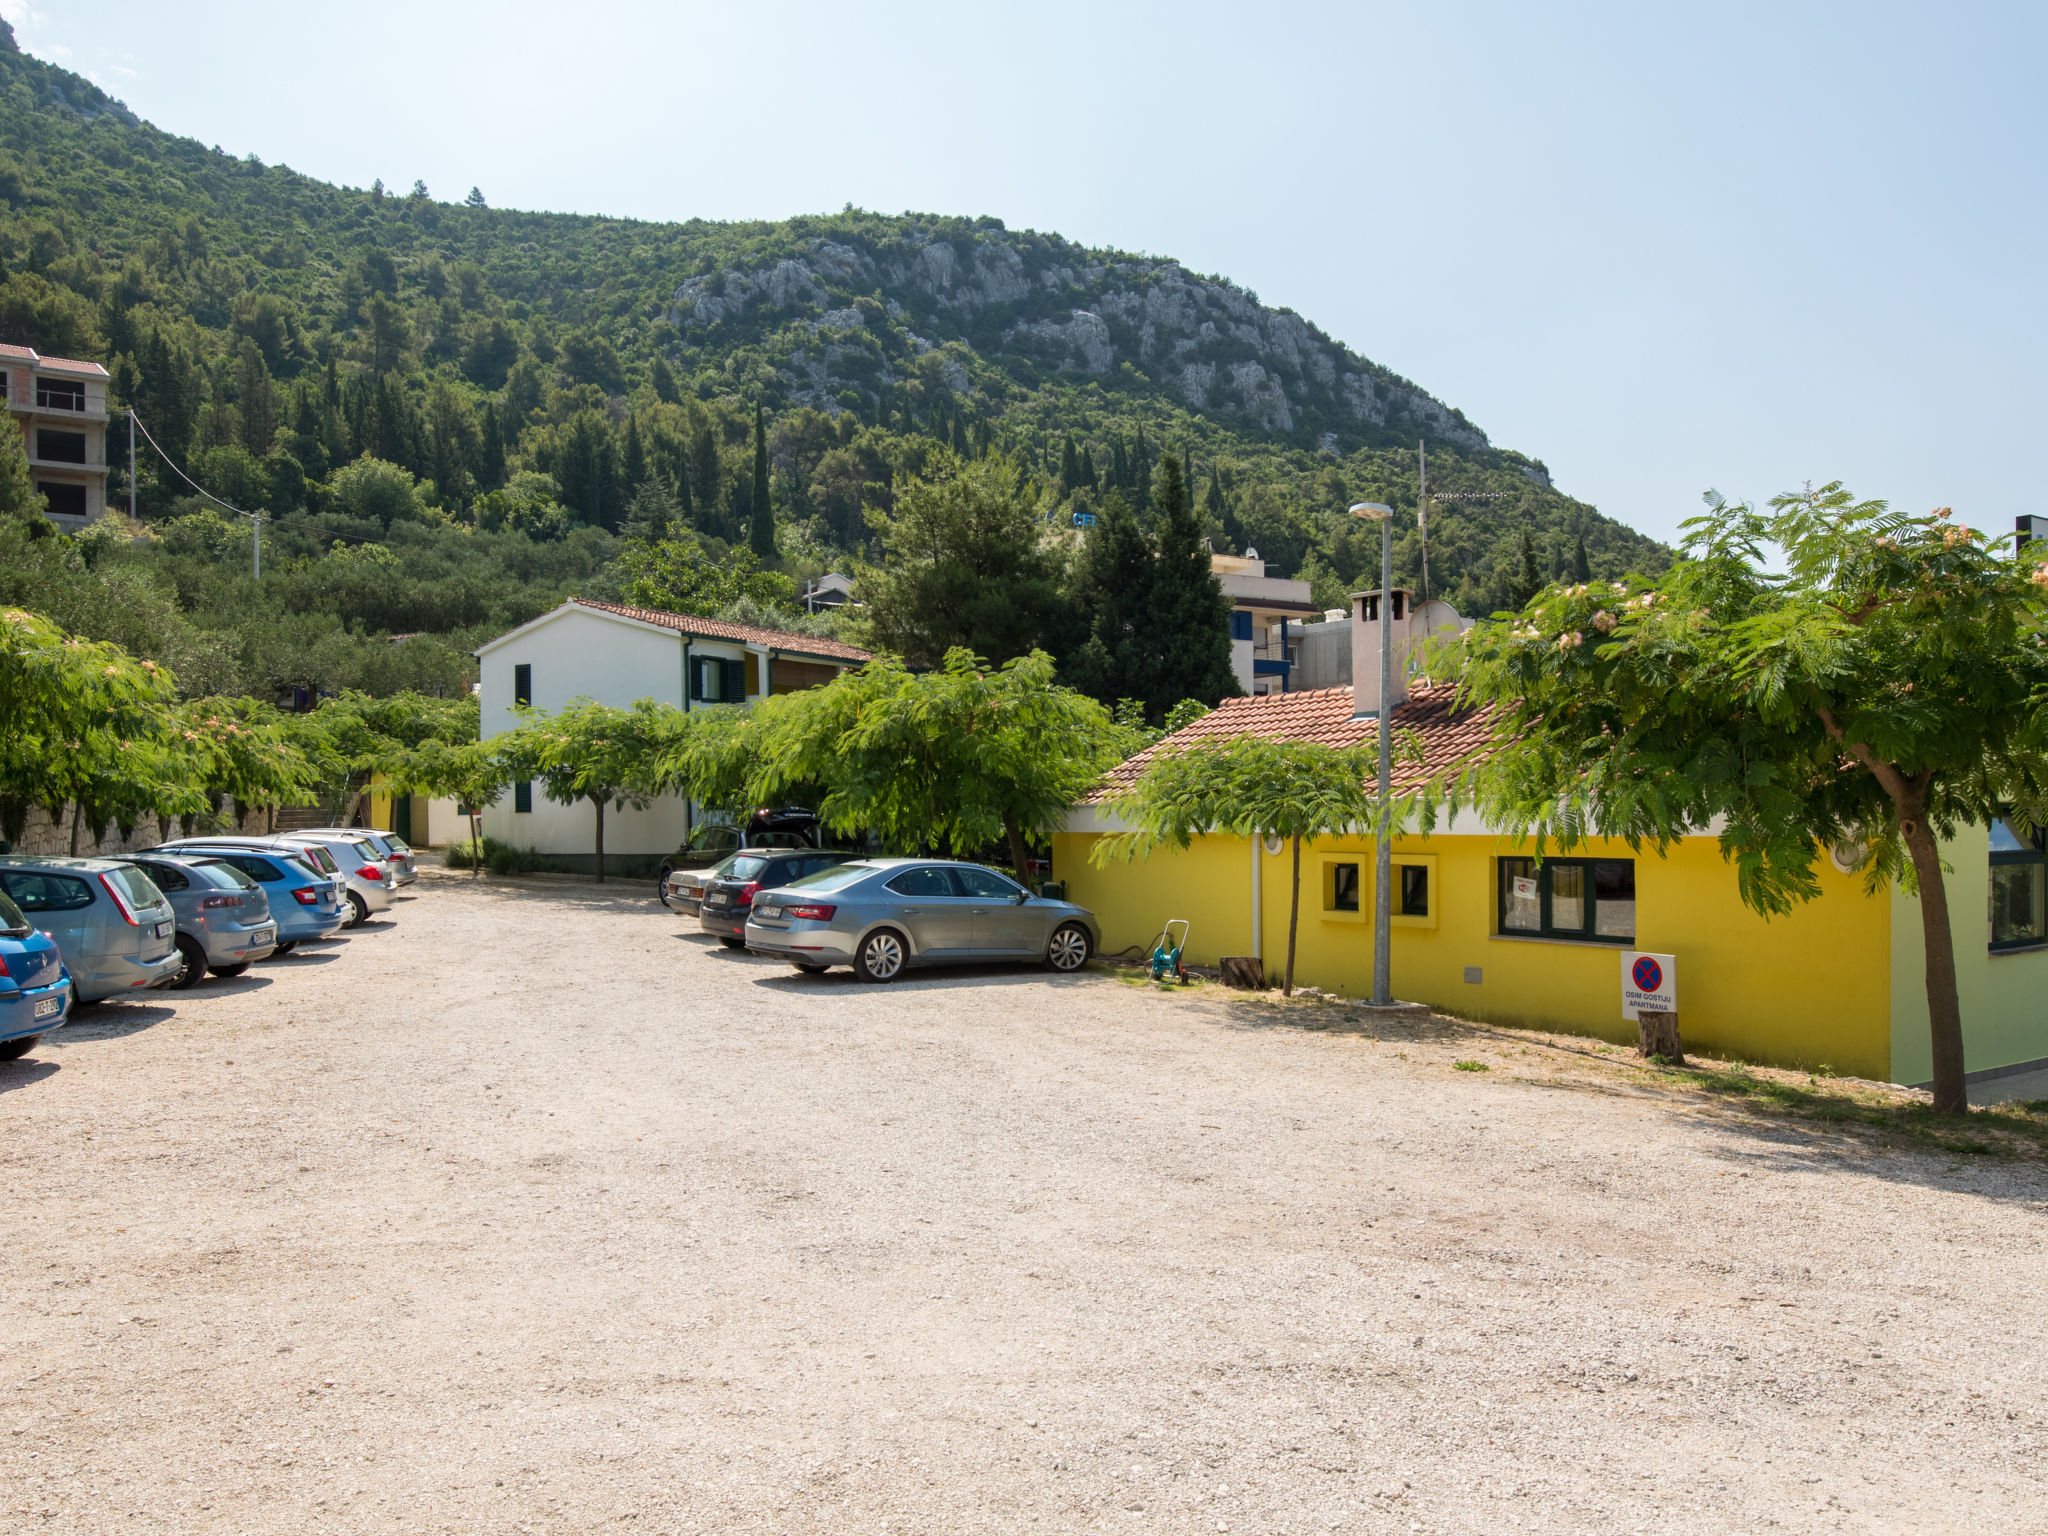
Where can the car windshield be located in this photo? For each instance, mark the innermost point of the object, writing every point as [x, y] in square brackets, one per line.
[836, 878]
[706, 838]
[140, 890]
[223, 873]
[11, 920]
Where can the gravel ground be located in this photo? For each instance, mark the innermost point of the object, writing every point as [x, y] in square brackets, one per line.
[533, 1210]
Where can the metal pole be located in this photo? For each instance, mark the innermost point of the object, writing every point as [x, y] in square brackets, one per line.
[1422, 509]
[131, 463]
[256, 543]
[1383, 856]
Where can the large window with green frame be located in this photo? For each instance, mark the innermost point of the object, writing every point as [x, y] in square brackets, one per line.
[1592, 901]
[2019, 915]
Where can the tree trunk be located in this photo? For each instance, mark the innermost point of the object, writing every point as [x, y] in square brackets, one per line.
[1657, 1035]
[1293, 920]
[476, 847]
[77, 811]
[598, 801]
[1938, 940]
[1020, 856]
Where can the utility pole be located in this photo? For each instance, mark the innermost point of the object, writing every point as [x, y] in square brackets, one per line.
[131, 463]
[1422, 508]
[1383, 834]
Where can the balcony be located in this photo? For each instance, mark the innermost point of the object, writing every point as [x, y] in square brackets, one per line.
[58, 402]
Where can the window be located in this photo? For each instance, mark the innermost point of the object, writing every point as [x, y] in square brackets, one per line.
[60, 447]
[522, 795]
[522, 691]
[140, 889]
[168, 877]
[836, 878]
[714, 837]
[254, 868]
[12, 923]
[926, 881]
[986, 885]
[34, 891]
[1589, 899]
[718, 680]
[64, 498]
[1414, 890]
[1344, 888]
[2019, 914]
[60, 394]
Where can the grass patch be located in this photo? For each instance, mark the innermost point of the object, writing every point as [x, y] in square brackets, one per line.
[1469, 1065]
[2000, 1131]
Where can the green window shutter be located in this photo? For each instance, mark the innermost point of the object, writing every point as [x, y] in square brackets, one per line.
[736, 682]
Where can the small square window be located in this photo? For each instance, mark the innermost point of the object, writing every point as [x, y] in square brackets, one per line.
[1414, 890]
[1344, 888]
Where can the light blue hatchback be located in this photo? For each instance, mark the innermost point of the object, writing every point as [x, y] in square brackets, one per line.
[116, 930]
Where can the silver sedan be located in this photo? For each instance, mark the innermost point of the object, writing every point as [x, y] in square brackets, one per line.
[882, 915]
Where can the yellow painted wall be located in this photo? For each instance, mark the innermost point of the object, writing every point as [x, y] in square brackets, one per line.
[1810, 988]
[2004, 997]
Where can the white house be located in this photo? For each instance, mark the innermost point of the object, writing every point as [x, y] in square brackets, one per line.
[1265, 617]
[617, 655]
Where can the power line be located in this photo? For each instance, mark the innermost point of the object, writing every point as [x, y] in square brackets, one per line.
[255, 518]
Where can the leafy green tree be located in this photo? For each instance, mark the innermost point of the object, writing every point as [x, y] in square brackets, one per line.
[591, 751]
[664, 380]
[376, 491]
[1112, 595]
[239, 750]
[1188, 616]
[761, 509]
[490, 472]
[586, 468]
[1251, 786]
[255, 398]
[961, 756]
[1887, 690]
[20, 501]
[966, 565]
[474, 774]
[676, 575]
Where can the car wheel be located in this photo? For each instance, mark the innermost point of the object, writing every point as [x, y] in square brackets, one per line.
[661, 882]
[808, 968]
[880, 956]
[229, 970]
[359, 911]
[1068, 950]
[286, 947]
[14, 1050]
[734, 943]
[193, 970]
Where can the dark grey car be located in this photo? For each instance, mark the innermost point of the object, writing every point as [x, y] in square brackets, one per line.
[223, 917]
[882, 915]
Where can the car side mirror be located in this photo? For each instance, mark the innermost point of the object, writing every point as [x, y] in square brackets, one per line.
[1020, 898]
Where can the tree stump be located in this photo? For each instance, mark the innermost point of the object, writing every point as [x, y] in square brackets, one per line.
[1245, 972]
[1657, 1035]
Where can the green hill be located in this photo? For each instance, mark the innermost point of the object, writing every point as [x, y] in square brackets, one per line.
[271, 329]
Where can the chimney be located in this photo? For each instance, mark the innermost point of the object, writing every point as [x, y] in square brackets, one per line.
[1365, 650]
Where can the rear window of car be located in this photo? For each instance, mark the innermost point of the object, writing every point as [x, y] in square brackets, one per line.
[745, 868]
[708, 839]
[253, 867]
[136, 885]
[375, 842]
[222, 873]
[321, 859]
[11, 920]
[928, 881]
[34, 890]
[398, 844]
[167, 877]
[837, 878]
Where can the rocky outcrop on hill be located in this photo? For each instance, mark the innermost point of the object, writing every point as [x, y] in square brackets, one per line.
[870, 310]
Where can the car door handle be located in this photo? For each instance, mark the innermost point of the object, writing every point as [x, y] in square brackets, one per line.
[910, 911]
[980, 911]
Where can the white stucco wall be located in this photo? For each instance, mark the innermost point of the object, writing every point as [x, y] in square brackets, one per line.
[575, 654]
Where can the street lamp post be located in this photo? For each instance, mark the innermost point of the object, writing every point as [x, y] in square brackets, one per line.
[1383, 854]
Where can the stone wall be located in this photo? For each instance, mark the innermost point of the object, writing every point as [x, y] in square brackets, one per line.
[44, 836]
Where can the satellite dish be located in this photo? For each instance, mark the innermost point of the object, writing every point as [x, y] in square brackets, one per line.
[1251, 554]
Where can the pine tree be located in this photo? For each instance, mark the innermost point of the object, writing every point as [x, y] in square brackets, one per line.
[761, 518]
[1189, 617]
[1070, 466]
[1113, 589]
[1582, 568]
[1119, 464]
[1141, 474]
[490, 472]
[256, 397]
[664, 381]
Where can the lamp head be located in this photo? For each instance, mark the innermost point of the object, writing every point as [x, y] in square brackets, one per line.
[1378, 511]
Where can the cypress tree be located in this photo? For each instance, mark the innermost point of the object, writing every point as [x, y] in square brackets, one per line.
[1582, 568]
[491, 456]
[1070, 466]
[1141, 474]
[1119, 463]
[635, 465]
[761, 514]
[1088, 475]
[1527, 583]
[1189, 617]
[664, 381]
[1113, 589]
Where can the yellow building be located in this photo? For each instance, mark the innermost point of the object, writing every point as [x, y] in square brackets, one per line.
[1481, 931]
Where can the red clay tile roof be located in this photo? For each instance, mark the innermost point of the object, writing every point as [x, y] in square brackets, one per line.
[72, 365]
[1324, 715]
[748, 634]
[8, 349]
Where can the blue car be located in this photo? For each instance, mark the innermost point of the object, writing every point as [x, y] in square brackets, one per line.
[304, 904]
[35, 989]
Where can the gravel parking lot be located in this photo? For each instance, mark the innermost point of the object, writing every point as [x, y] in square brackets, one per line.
[532, 1210]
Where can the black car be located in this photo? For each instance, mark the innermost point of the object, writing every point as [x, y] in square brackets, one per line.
[714, 841]
[729, 899]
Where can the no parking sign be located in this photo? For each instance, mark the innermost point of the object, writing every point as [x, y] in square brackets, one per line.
[1649, 983]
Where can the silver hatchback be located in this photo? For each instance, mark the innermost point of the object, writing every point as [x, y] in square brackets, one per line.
[114, 927]
[881, 916]
[224, 920]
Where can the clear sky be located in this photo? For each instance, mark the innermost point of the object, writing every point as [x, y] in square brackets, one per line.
[1660, 247]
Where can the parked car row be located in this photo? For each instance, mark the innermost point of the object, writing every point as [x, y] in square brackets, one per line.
[78, 930]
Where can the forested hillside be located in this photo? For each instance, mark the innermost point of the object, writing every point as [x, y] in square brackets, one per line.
[454, 414]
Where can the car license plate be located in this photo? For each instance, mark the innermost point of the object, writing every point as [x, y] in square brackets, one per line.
[716, 901]
[45, 1006]
[767, 911]
[263, 936]
[163, 930]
